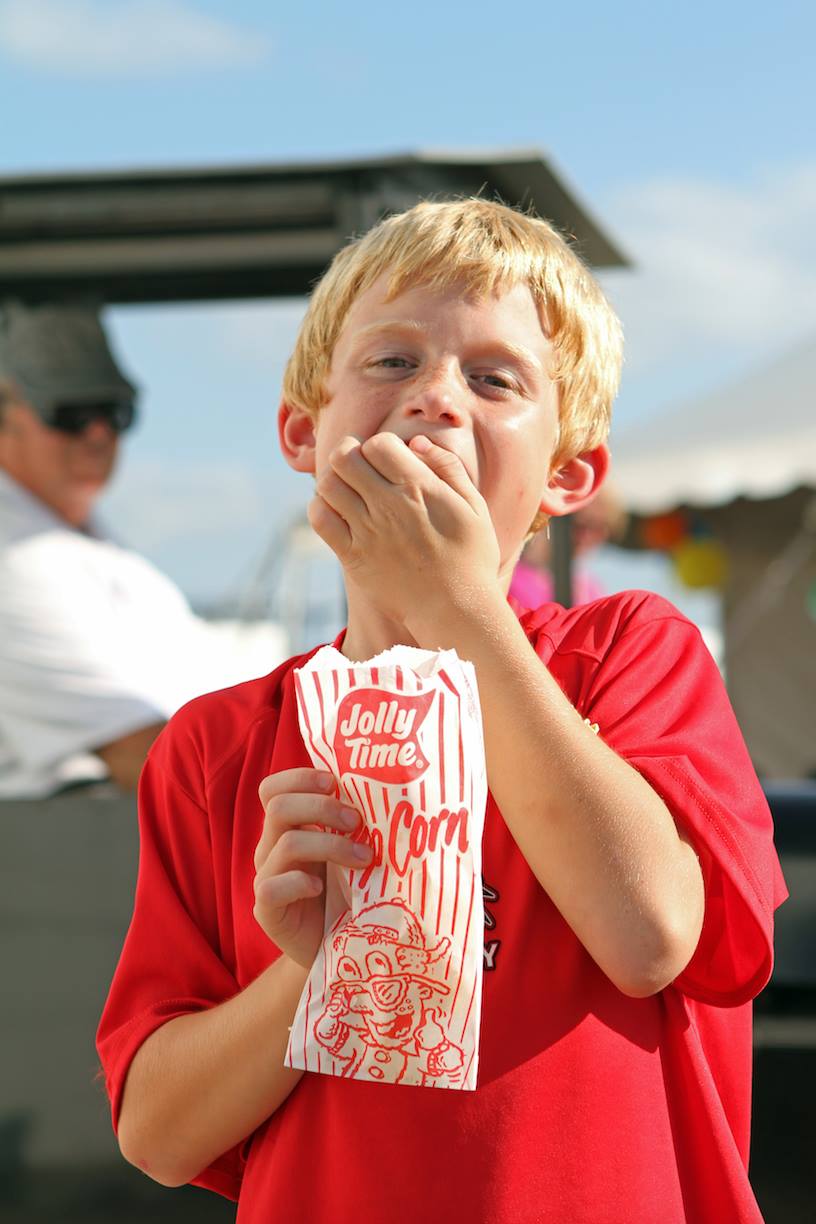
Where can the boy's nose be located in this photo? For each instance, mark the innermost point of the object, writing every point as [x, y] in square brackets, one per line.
[435, 398]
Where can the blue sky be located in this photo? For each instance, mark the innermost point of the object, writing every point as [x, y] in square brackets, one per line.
[688, 130]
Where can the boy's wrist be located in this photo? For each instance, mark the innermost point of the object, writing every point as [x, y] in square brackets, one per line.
[286, 969]
[446, 623]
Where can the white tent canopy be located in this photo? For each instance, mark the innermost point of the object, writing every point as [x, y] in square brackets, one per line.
[756, 438]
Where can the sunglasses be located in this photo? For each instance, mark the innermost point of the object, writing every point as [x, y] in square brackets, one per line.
[75, 418]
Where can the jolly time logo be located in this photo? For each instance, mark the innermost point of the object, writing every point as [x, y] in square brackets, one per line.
[377, 735]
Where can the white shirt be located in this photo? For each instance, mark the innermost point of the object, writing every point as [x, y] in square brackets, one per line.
[95, 643]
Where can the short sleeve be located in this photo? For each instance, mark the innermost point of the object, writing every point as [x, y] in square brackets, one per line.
[171, 963]
[68, 682]
[658, 700]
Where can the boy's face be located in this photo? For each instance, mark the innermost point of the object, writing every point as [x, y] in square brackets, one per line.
[470, 374]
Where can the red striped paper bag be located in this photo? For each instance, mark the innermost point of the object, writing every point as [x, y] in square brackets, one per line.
[395, 991]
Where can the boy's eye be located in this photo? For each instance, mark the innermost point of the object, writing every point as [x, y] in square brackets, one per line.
[502, 381]
[392, 363]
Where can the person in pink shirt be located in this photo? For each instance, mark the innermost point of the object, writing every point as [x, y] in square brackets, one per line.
[593, 525]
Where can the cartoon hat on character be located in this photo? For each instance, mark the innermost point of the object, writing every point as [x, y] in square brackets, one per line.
[386, 940]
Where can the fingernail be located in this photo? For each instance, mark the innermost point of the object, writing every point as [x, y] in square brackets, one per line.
[327, 782]
[362, 851]
[420, 443]
[349, 817]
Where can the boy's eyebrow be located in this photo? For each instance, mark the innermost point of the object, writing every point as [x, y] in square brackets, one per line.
[410, 325]
[526, 360]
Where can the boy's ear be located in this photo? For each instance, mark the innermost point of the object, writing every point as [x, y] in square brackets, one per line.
[296, 430]
[575, 482]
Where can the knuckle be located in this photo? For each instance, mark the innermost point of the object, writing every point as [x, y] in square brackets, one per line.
[284, 844]
[289, 843]
[264, 844]
[261, 899]
[302, 880]
[376, 444]
[318, 512]
[265, 790]
[272, 808]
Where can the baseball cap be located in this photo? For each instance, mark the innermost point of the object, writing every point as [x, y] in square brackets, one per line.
[58, 354]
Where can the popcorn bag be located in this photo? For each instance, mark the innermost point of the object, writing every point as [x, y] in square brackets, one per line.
[394, 995]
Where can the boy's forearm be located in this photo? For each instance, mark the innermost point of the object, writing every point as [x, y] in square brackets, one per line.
[599, 840]
[203, 1082]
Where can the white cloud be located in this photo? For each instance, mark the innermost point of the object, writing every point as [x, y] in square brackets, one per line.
[719, 266]
[95, 38]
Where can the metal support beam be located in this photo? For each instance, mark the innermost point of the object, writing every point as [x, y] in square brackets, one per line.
[561, 559]
[262, 231]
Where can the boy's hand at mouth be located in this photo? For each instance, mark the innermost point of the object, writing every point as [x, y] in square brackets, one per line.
[407, 524]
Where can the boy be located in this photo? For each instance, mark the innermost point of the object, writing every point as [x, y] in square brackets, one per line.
[451, 387]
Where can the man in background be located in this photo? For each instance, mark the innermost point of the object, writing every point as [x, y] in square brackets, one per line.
[97, 647]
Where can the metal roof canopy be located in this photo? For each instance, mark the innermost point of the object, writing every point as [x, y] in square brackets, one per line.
[243, 232]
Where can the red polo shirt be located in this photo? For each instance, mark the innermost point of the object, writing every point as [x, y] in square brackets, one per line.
[591, 1107]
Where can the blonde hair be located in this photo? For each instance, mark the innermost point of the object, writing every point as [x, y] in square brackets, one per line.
[488, 248]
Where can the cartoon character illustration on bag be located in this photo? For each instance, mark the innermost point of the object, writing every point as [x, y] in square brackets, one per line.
[386, 1011]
